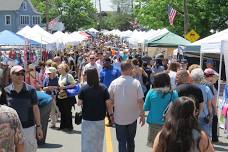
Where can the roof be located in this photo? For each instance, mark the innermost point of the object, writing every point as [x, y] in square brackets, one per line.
[10, 5]
[33, 8]
[168, 40]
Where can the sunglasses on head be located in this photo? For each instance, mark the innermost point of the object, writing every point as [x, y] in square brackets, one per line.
[19, 73]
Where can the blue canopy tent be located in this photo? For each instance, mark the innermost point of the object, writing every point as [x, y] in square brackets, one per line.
[8, 38]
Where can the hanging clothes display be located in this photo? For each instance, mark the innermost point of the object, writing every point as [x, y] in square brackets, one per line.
[12, 54]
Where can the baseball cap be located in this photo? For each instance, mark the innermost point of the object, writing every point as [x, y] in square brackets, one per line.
[16, 68]
[210, 72]
[51, 70]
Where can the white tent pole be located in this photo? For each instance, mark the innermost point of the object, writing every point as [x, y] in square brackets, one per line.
[201, 59]
[220, 70]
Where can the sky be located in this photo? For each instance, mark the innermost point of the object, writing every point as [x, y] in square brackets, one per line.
[106, 5]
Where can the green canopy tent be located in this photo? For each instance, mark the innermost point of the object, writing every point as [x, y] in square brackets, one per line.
[168, 39]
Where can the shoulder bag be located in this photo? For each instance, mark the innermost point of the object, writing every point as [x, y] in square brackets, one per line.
[73, 91]
[167, 108]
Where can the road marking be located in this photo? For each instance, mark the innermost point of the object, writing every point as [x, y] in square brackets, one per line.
[108, 137]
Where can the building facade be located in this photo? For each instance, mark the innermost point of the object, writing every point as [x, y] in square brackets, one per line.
[16, 14]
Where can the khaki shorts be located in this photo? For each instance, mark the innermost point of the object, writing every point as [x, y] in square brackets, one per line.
[153, 130]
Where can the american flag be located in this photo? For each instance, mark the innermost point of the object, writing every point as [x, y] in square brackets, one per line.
[134, 24]
[171, 14]
[53, 22]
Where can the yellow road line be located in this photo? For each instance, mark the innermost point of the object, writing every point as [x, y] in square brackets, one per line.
[108, 138]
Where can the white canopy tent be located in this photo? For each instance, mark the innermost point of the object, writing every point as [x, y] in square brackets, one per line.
[28, 33]
[115, 32]
[45, 36]
[126, 34]
[59, 40]
[75, 38]
[212, 38]
[136, 38]
[218, 46]
[93, 30]
[69, 39]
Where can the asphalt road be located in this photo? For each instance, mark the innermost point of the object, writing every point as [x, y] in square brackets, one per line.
[60, 141]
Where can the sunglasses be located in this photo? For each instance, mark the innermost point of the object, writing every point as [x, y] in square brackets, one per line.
[19, 73]
[91, 58]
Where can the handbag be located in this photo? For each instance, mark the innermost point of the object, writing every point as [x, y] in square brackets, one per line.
[78, 118]
[167, 108]
[73, 91]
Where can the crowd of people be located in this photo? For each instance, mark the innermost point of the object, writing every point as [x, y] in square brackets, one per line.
[120, 83]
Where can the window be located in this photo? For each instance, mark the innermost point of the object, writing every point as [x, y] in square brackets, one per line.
[24, 5]
[36, 19]
[24, 19]
[7, 20]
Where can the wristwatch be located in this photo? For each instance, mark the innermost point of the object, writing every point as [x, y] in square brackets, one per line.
[38, 126]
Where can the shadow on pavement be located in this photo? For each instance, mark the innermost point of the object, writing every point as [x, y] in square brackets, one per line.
[49, 145]
[72, 132]
[221, 144]
[220, 149]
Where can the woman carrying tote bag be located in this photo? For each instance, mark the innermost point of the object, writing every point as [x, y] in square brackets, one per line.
[64, 102]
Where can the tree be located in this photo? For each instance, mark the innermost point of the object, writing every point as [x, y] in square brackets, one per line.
[52, 9]
[75, 14]
[78, 14]
[204, 15]
[116, 21]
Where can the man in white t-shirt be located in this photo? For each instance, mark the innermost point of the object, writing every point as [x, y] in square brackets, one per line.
[92, 64]
[127, 96]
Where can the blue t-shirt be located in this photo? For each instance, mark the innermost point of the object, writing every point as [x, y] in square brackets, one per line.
[107, 75]
[156, 103]
[43, 98]
[207, 97]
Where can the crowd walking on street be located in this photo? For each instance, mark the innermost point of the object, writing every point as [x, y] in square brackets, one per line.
[106, 78]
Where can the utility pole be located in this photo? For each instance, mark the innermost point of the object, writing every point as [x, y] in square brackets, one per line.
[99, 14]
[46, 15]
[132, 6]
[100, 6]
[186, 17]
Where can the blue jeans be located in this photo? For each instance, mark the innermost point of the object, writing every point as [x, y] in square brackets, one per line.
[125, 135]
